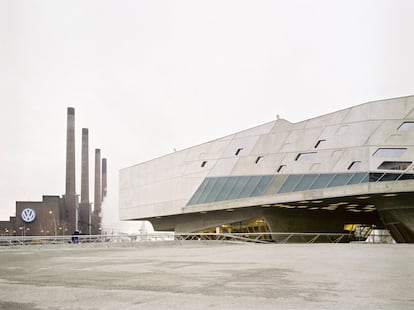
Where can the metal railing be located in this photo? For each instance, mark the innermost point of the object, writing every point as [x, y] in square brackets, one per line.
[263, 237]
[268, 237]
[33, 240]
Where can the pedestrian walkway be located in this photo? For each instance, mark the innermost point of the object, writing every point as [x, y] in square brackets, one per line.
[207, 275]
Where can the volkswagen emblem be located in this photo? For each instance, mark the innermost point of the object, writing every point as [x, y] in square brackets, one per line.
[28, 215]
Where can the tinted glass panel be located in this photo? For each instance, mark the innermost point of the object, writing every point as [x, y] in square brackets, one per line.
[322, 181]
[407, 177]
[250, 187]
[357, 178]
[305, 182]
[238, 187]
[374, 177]
[390, 177]
[340, 179]
[197, 194]
[365, 179]
[209, 186]
[215, 190]
[263, 184]
[394, 165]
[290, 183]
[227, 187]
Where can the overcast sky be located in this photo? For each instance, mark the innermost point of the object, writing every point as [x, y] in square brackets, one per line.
[149, 76]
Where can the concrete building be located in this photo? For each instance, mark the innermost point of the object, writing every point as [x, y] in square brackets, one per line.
[350, 168]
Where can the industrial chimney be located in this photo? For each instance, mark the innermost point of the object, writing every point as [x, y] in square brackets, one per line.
[71, 203]
[97, 200]
[84, 222]
[85, 167]
[96, 215]
[104, 178]
[70, 153]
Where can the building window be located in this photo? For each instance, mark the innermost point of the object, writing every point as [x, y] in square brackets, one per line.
[319, 143]
[389, 152]
[406, 126]
[354, 165]
[306, 156]
[259, 158]
[394, 165]
[203, 164]
[238, 151]
[281, 168]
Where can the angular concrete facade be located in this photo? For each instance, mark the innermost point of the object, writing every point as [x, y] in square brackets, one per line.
[354, 166]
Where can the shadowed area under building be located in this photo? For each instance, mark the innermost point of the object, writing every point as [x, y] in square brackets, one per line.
[207, 275]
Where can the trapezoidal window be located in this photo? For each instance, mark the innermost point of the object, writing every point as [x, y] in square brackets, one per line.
[306, 156]
[354, 165]
[394, 165]
[406, 126]
[319, 143]
[389, 152]
[281, 168]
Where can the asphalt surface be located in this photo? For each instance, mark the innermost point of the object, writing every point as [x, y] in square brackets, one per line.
[200, 275]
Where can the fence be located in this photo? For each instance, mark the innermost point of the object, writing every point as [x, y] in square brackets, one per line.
[266, 237]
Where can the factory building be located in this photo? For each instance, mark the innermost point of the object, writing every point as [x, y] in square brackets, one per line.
[64, 215]
[329, 174]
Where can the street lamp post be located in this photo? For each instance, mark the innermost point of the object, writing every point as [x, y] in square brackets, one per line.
[54, 220]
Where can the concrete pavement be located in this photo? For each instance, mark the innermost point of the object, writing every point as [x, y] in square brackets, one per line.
[207, 275]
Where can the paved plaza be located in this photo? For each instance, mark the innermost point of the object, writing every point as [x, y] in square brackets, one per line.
[207, 275]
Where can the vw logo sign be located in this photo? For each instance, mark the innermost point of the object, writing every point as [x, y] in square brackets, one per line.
[28, 215]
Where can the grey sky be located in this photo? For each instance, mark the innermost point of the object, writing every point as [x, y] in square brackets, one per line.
[149, 76]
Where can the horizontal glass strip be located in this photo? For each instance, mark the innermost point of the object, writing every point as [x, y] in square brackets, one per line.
[237, 187]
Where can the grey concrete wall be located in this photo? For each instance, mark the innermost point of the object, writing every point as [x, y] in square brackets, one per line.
[163, 186]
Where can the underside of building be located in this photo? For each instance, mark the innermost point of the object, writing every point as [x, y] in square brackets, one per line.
[330, 174]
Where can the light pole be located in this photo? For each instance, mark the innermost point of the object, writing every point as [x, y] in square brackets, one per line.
[54, 221]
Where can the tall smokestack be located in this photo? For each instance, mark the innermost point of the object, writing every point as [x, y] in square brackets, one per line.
[70, 153]
[85, 167]
[85, 209]
[104, 178]
[97, 200]
[71, 202]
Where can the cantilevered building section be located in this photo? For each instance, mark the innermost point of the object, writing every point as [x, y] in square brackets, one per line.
[326, 174]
